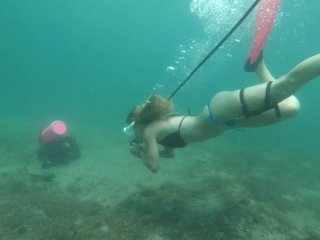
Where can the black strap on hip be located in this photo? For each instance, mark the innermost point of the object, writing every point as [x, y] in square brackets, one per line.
[267, 104]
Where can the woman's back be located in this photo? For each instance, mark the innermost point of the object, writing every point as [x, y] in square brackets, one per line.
[178, 131]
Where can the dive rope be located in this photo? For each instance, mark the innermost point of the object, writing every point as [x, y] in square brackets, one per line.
[214, 49]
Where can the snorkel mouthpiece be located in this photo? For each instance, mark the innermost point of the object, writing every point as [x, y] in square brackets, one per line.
[128, 130]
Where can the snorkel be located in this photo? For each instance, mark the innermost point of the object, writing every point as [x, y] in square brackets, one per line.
[128, 130]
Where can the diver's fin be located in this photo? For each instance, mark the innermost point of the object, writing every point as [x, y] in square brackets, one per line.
[251, 67]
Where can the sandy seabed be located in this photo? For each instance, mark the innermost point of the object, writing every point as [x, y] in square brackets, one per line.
[221, 189]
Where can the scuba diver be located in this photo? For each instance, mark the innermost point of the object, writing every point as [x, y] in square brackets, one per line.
[55, 149]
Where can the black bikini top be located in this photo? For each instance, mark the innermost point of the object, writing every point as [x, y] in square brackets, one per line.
[174, 140]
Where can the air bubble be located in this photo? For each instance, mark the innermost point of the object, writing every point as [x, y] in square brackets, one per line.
[171, 69]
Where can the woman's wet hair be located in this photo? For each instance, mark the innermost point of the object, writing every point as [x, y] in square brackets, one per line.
[155, 108]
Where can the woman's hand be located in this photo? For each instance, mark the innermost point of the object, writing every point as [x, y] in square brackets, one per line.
[136, 149]
[146, 150]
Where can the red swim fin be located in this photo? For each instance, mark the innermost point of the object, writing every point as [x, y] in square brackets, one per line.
[264, 21]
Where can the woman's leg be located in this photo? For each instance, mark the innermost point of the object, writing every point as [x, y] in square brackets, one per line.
[287, 108]
[263, 73]
[226, 105]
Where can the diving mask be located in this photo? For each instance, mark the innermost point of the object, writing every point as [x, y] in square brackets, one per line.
[128, 130]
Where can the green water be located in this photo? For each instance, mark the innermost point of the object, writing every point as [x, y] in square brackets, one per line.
[89, 62]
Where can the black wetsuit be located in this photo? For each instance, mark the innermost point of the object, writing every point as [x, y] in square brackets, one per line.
[59, 151]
